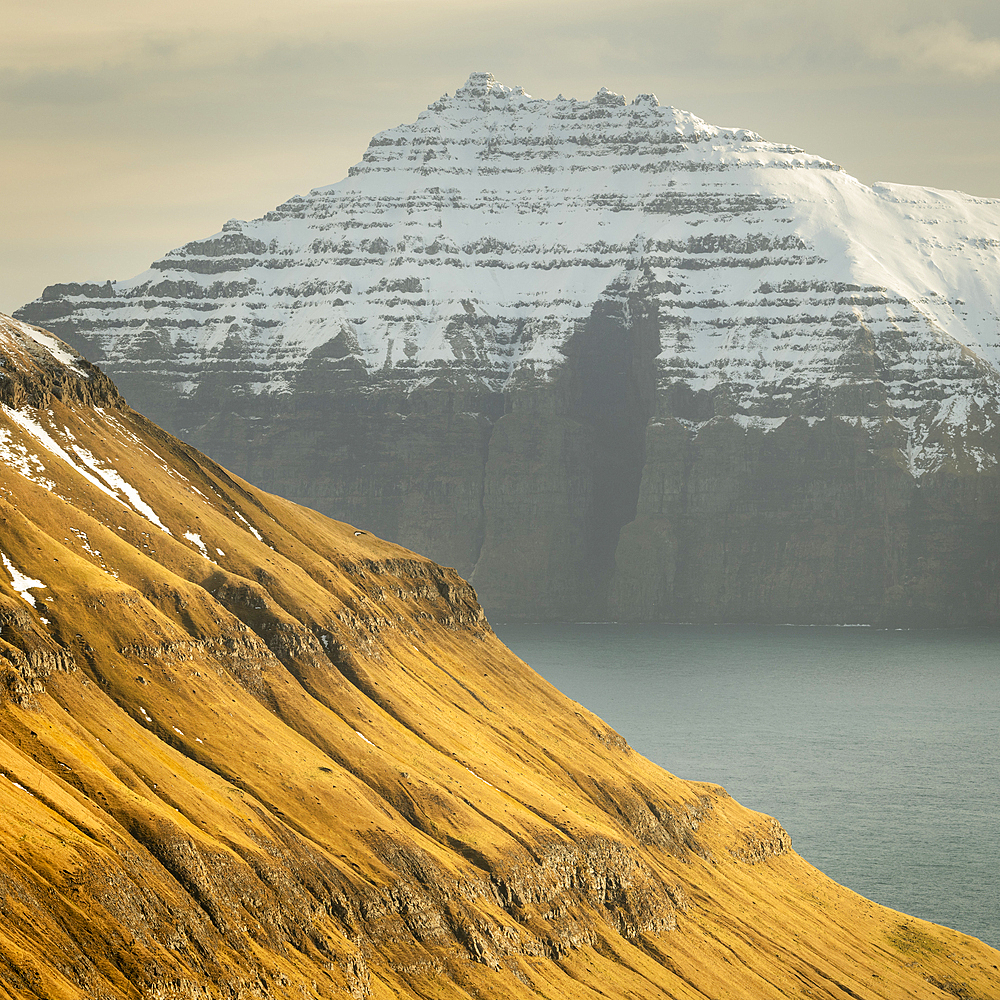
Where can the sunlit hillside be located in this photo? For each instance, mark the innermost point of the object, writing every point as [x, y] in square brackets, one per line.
[248, 751]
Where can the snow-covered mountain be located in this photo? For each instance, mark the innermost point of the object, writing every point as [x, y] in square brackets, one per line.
[602, 356]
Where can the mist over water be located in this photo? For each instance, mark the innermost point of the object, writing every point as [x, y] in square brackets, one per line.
[879, 751]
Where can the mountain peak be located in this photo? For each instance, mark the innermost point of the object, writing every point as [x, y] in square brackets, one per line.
[29, 347]
[609, 98]
[480, 85]
[483, 85]
[605, 113]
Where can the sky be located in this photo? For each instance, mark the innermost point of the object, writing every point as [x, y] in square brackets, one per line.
[129, 127]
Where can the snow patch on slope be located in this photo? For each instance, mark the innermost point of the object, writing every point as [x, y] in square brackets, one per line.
[27, 463]
[56, 348]
[117, 482]
[110, 481]
[11, 330]
[21, 582]
[196, 540]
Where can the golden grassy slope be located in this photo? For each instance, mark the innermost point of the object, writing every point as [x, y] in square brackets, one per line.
[303, 765]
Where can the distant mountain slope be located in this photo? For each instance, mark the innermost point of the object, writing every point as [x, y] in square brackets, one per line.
[605, 358]
[246, 751]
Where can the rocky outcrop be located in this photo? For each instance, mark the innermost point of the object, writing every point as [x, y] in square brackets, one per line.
[28, 655]
[37, 367]
[605, 359]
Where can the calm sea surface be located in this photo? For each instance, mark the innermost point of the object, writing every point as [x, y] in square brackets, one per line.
[879, 751]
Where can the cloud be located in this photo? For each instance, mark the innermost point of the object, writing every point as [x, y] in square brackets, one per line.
[948, 47]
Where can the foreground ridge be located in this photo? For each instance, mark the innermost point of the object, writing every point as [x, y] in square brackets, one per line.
[247, 751]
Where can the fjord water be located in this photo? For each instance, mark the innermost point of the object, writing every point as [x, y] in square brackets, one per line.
[879, 751]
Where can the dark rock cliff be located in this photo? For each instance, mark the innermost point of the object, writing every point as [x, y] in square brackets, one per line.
[601, 494]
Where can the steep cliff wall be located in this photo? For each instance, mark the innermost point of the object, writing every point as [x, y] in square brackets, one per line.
[804, 524]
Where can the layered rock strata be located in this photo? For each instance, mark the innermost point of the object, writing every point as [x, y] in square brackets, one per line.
[605, 359]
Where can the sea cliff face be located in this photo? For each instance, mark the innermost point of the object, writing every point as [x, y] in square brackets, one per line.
[605, 359]
[250, 752]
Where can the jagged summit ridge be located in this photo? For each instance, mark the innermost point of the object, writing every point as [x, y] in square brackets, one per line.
[483, 98]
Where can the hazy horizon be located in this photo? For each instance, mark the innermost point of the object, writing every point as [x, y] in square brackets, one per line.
[130, 133]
